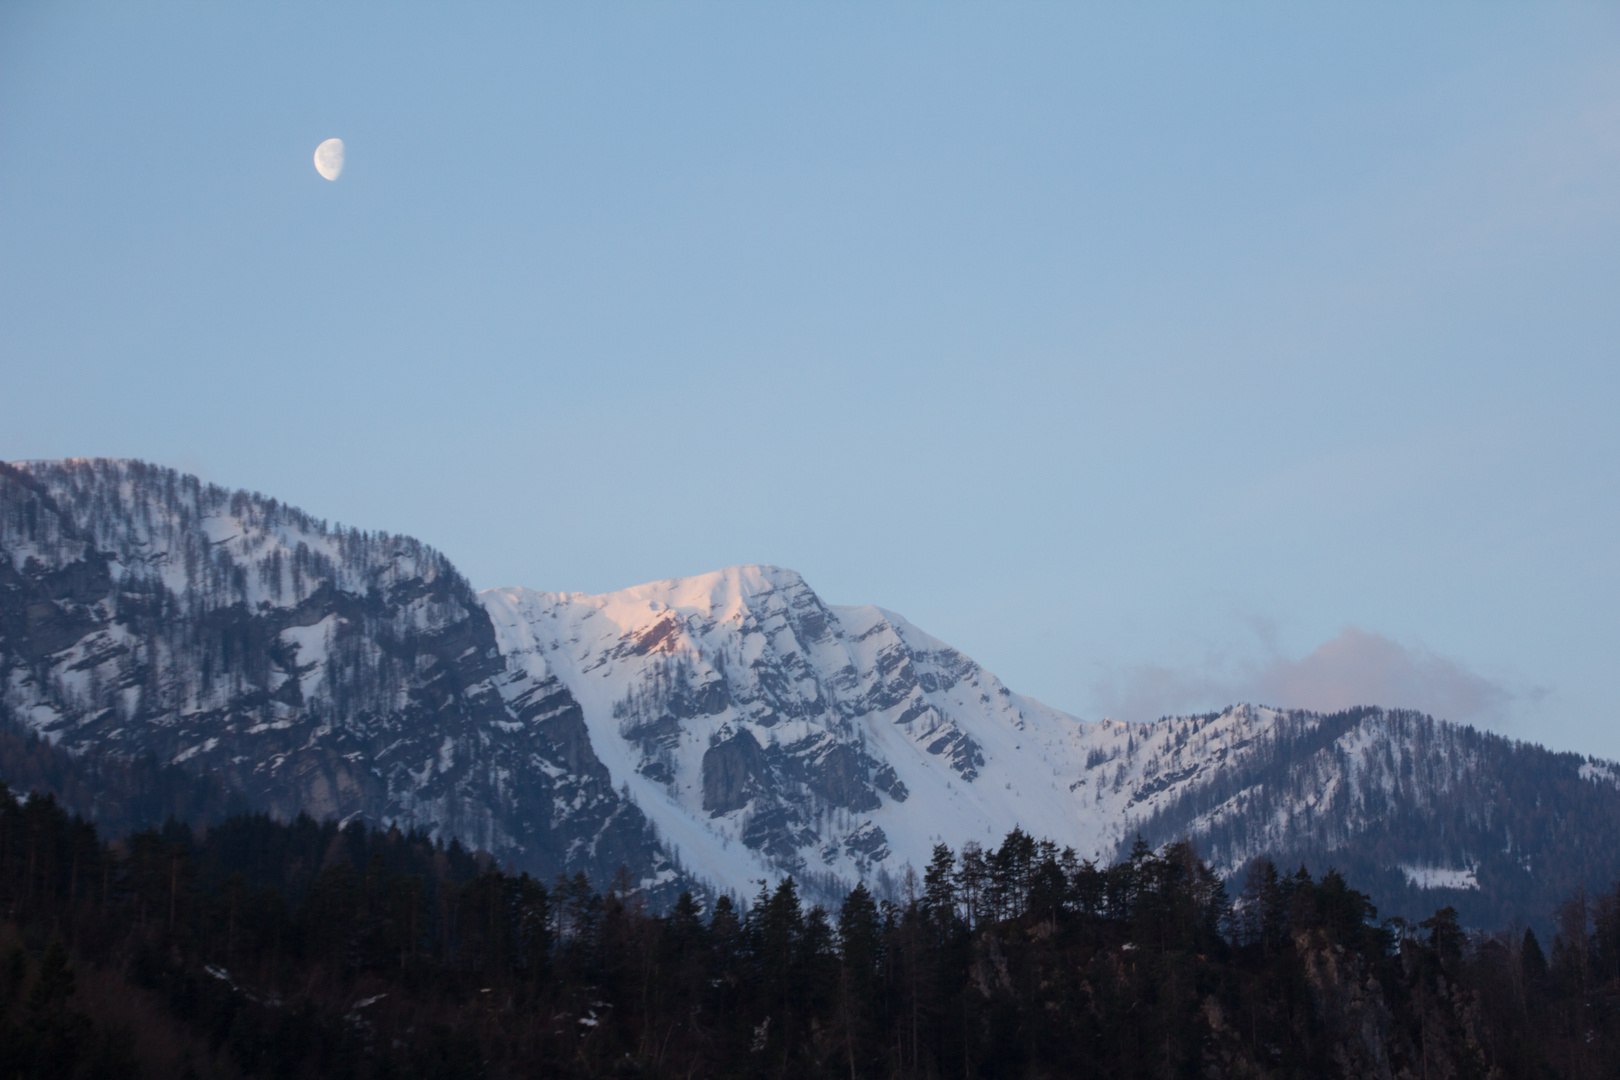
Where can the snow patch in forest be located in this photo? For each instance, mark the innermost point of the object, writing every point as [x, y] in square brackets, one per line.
[1600, 773]
[1440, 877]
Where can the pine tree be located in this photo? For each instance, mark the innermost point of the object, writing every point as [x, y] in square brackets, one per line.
[939, 887]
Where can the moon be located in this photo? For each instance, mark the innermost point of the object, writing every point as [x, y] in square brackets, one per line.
[329, 158]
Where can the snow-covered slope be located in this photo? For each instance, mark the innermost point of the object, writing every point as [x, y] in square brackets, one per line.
[763, 731]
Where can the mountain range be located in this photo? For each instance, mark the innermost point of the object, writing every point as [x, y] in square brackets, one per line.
[702, 733]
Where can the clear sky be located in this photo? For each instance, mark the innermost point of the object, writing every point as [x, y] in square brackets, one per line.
[1154, 355]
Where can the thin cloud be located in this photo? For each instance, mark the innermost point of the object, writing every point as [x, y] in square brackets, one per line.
[1354, 668]
[1361, 668]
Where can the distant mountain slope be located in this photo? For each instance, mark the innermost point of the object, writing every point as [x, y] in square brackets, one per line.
[309, 668]
[1422, 812]
[709, 731]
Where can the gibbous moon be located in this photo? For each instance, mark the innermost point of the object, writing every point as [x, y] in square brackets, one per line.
[329, 158]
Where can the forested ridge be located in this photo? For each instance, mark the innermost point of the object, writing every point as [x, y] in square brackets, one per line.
[305, 949]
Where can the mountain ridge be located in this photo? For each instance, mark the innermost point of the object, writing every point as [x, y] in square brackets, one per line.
[701, 732]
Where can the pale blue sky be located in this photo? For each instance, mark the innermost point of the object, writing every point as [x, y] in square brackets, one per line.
[1153, 355]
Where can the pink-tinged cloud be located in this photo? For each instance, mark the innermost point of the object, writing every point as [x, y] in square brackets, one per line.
[1358, 668]
[1354, 668]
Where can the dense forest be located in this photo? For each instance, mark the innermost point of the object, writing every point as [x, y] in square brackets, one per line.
[256, 948]
[120, 793]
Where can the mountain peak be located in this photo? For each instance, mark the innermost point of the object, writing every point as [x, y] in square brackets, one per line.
[714, 594]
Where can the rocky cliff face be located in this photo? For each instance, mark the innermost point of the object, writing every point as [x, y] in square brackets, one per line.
[312, 669]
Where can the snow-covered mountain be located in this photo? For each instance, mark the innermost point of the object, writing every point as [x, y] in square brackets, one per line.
[763, 731]
[707, 731]
[310, 668]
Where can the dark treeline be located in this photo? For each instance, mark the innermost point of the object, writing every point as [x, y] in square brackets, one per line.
[256, 948]
[120, 793]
